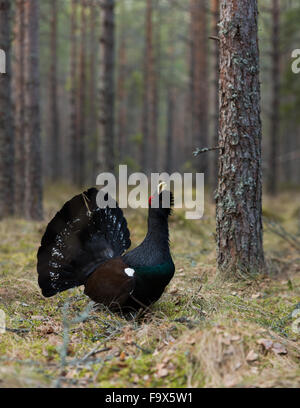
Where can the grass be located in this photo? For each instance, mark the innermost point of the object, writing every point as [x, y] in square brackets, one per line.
[202, 332]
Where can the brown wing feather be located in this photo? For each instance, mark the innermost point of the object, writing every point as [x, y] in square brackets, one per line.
[109, 284]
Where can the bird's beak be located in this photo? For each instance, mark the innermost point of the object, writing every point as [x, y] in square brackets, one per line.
[161, 187]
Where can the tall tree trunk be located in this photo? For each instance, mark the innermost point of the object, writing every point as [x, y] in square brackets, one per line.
[6, 133]
[106, 153]
[121, 91]
[73, 92]
[18, 91]
[92, 91]
[81, 99]
[215, 10]
[33, 167]
[170, 104]
[149, 133]
[238, 213]
[155, 110]
[275, 119]
[199, 88]
[170, 131]
[53, 111]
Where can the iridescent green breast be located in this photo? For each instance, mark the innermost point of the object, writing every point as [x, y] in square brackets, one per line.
[152, 280]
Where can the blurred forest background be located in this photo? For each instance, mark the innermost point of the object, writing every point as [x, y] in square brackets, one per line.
[134, 82]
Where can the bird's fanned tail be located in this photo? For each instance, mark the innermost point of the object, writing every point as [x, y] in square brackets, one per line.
[79, 238]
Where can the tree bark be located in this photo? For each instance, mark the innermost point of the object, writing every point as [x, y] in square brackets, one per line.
[170, 131]
[121, 90]
[106, 148]
[149, 132]
[93, 90]
[238, 212]
[199, 80]
[33, 167]
[53, 111]
[275, 119]
[18, 97]
[215, 10]
[6, 125]
[73, 92]
[81, 100]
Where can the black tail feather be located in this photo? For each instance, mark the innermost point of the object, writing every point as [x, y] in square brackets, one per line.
[79, 238]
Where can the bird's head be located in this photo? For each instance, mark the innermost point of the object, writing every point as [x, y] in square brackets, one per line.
[161, 202]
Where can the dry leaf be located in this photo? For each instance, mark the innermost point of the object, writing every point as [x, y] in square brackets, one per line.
[37, 317]
[122, 356]
[236, 338]
[265, 343]
[163, 372]
[252, 356]
[279, 349]
[229, 351]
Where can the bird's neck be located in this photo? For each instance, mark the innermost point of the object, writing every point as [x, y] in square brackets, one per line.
[158, 230]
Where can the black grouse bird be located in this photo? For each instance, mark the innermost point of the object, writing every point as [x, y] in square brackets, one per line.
[85, 244]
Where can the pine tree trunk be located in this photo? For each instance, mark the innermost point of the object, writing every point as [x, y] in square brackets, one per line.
[6, 125]
[149, 132]
[81, 99]
[275, 119]
[53, 111]
[238, 214]
[92, 91]
[106, 149]
[199, 88]
[170, 132]
[33, 167]
[73, 92]
[215, 10]
[121, 91]
[18, 95]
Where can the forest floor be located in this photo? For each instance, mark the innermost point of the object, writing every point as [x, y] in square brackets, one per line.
[202, 333]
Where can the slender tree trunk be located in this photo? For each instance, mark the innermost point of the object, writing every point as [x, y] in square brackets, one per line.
[6, 125]
[81, 99]
[18, 92]
[106, 149]
[170, 132]
[121, 91]
[92, 90]
[215, 10]
[73, 92]
[238, 214]
[53, 112]
[33, 166]
[149, 133]
[155, 109]
[170, 104]
[199, 78]
[275, 119]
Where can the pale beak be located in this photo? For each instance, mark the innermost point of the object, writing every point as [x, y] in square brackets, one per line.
[161, 187]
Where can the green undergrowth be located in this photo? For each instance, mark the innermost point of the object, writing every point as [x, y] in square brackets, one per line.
[204, 332]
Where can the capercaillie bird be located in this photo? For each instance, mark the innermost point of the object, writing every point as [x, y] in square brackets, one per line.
[86, 245]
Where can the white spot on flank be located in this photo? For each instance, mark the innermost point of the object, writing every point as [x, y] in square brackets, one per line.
[129, 271]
